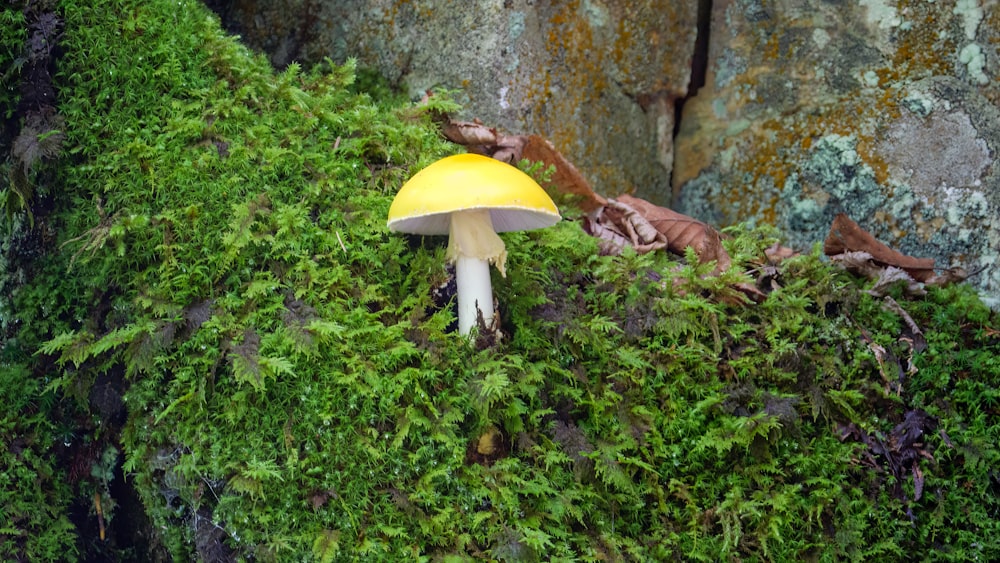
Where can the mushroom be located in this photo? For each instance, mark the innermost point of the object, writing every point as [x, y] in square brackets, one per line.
[470, 198]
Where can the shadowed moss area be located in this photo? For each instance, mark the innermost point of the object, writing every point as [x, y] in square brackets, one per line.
[208, 306]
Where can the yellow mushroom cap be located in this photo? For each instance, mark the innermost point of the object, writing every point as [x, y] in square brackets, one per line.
[470, 181]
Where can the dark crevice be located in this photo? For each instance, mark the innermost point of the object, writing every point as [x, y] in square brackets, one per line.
[280, 48]
[699, 60]
[35, 118]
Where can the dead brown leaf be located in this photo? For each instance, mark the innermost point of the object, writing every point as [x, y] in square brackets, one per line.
[858, 263]
[948, 277]
[890, 276]
[618, 224]
[886, 277]
[480, 139]
[846, 236]
[682, 231]
[567, 179]
[777, 253]
[469, 133]
[900, 453]
[628, 220]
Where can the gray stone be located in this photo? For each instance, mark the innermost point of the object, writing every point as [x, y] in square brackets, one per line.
[599, 78]
[877, 109]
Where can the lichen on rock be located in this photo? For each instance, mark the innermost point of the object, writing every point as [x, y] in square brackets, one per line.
[869, 110]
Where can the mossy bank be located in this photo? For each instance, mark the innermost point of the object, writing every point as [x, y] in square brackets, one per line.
[203, 306]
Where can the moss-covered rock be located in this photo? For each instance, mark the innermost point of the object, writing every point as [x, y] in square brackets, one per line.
[213, 292]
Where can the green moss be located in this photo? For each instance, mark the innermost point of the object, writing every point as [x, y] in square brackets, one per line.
[295, 389]
[34, 494]
[11, 56]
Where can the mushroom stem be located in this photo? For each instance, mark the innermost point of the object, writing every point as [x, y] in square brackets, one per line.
[475, 293]
[473, 245]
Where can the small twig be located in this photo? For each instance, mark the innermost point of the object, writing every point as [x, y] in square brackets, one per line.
[210, 488]
[100, 515]
[891, 305]
[96, 237]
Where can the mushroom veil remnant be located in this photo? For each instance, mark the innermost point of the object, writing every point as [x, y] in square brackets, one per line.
[470, 198]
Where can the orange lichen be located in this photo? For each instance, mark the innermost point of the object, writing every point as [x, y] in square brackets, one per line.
[771, 150]
[578, 71]
[921, 50]
[591, 58]
[771, 48]
[623, 42]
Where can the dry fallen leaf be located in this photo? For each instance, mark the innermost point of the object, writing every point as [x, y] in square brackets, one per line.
[859, 253]
[777, 253]
[682, 231]
[618, 224]
[890, 277]
[567, 179]
[628, 220]
[899, 453]
[469, 133]
[948, 277]
[862, 264]
[846, 236]
[480, 139]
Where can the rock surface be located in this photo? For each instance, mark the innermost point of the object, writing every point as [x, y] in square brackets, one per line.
[598, 78]
[886, 111]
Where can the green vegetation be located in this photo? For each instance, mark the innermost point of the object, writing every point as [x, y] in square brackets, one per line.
[208, 287]
[34, 495]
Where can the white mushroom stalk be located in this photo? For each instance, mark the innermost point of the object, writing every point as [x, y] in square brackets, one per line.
[471, 198]
[473, 245]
